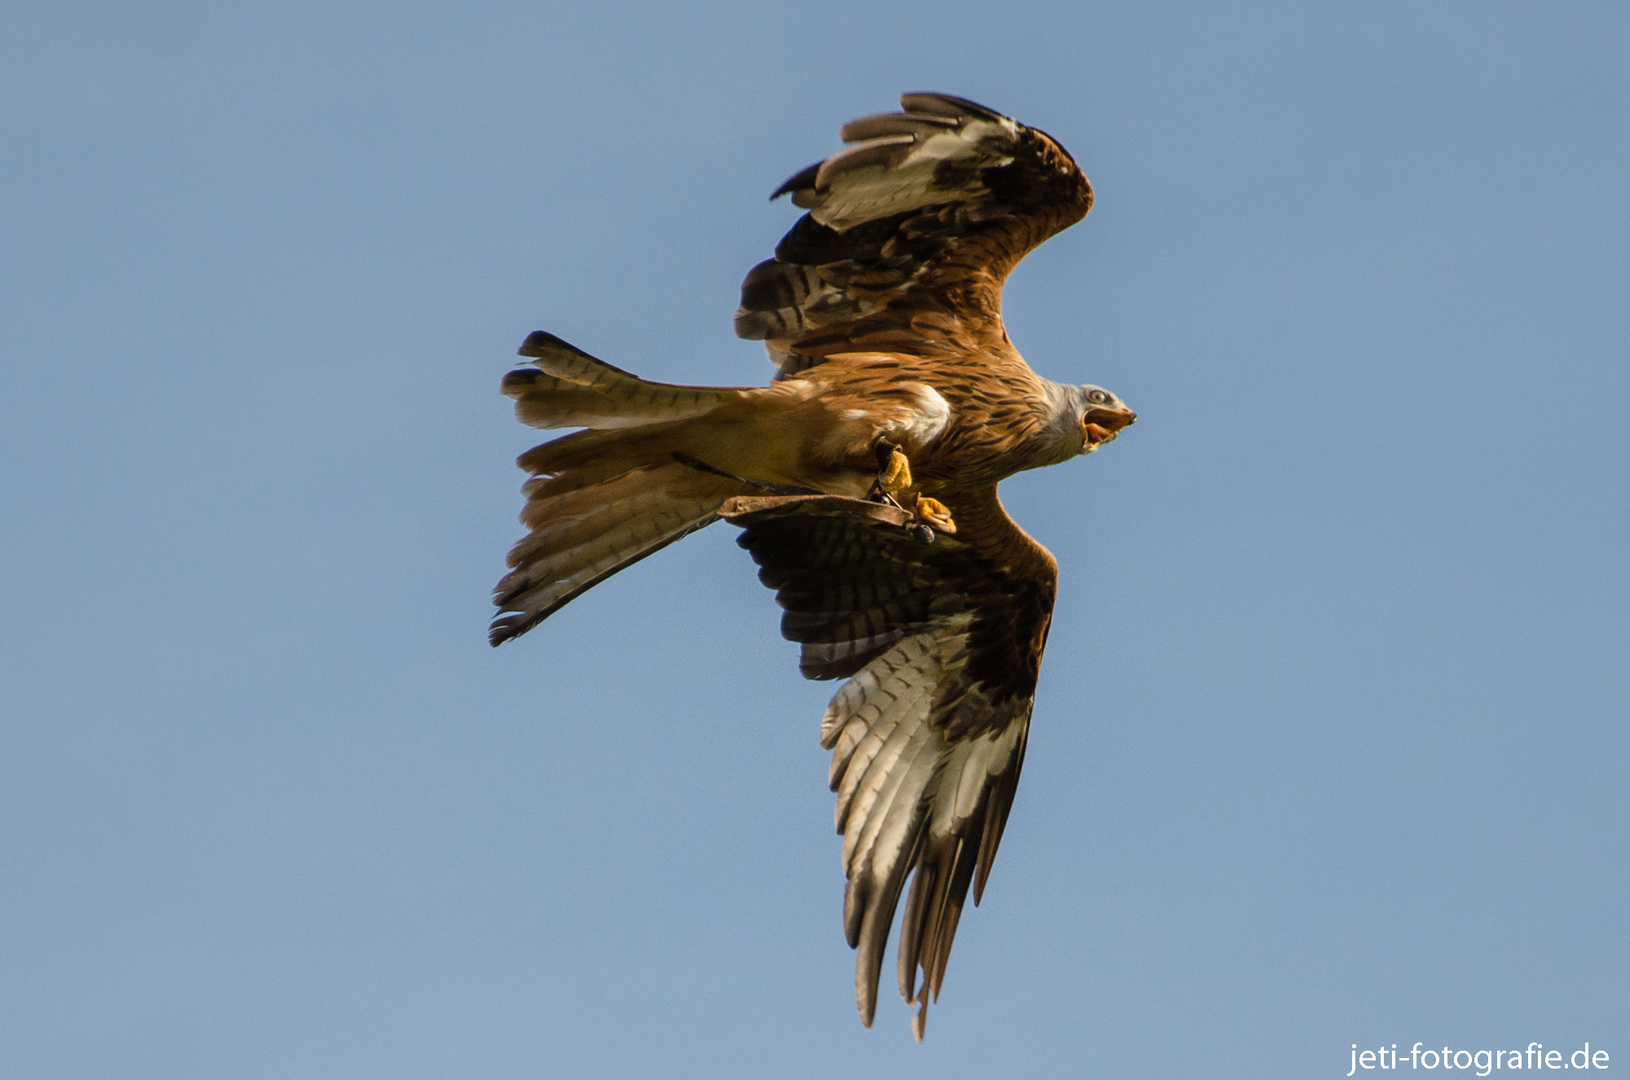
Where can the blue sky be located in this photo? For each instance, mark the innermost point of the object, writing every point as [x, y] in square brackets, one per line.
[1331, 742]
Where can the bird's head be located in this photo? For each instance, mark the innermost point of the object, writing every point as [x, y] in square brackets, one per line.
[1084, 418]
[1101, 416]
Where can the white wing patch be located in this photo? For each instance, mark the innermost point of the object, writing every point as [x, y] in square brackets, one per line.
[903, 788]
[892, 174]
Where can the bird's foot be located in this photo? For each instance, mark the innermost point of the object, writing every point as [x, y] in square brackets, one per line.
[893, 485]
[931, 514]
[935, 513]
[893, 470]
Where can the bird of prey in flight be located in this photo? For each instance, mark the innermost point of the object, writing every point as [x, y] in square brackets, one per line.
[864, 480]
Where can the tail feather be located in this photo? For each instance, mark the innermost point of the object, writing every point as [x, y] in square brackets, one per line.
[634, 501]
[604, 498]
[566, 387]
[632, 517]
[592, 457]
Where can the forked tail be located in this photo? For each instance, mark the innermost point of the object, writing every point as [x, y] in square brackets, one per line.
[601, 499]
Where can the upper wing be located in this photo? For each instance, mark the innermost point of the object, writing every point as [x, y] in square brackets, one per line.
[910, 233]
[942, 642]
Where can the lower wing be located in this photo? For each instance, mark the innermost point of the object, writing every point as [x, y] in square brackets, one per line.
[941, 642]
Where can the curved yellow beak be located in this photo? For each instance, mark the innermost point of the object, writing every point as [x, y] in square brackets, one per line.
[1101, 425]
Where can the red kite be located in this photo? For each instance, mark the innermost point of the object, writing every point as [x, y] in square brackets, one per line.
[864, 477]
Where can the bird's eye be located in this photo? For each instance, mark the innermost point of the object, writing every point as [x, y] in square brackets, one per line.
[1098, 397]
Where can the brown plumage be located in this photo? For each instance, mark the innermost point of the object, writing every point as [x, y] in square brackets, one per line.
[882, 314]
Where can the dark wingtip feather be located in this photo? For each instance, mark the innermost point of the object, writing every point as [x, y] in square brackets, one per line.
[505, 628]
[936, 104]
[798, 181]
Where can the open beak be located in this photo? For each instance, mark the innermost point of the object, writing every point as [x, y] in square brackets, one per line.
[1101, 425]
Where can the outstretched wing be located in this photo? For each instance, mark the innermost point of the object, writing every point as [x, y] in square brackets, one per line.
[941, 642]
[910, 233]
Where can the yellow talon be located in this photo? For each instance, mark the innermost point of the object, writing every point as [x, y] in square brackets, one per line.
[896, 474]
[935, 513]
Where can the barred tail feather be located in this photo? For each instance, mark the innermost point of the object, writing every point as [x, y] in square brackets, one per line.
[585, 534]
[602, 499]
[566, 387]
